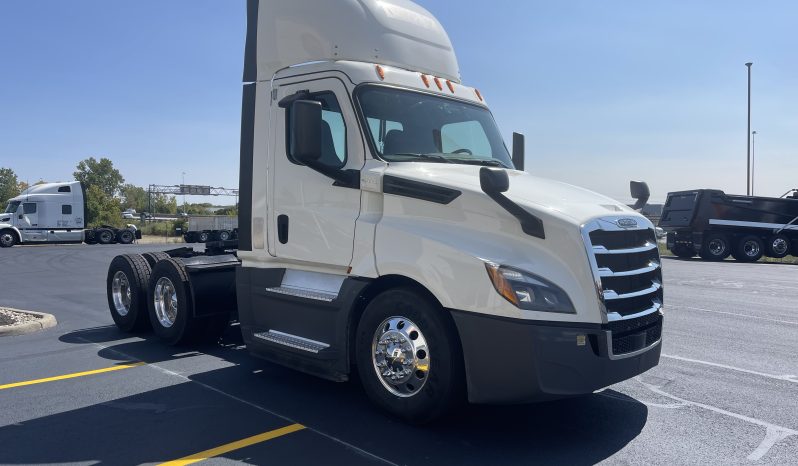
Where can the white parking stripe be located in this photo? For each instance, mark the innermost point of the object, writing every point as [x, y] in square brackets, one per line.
[733, 314]
[773, 433]
[786, 378]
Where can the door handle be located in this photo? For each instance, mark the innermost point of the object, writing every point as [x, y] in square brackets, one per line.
[282, 228]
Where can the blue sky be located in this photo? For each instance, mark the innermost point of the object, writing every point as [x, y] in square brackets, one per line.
[605, 91]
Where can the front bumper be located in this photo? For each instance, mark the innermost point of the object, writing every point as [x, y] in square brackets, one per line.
[518, 361]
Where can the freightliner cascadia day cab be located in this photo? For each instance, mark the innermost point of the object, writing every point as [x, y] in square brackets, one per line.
[54, 213]
[385, 229]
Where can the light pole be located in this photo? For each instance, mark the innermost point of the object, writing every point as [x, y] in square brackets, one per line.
[748, 143]
[753, 159]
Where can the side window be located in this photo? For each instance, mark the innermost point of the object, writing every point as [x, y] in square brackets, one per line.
[333, 131]
[66, 209]
[466, 136]
[64, 189]
[29, 208]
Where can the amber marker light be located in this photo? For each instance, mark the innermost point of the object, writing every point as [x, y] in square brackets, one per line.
[438, 83]
[479, 95]
[450, 86]
[425, 79]
[380, 72]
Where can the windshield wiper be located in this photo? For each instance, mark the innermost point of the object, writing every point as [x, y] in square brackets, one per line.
[485, 162]
[428, 157]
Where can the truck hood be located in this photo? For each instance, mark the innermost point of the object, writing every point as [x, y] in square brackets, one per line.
[534, 193]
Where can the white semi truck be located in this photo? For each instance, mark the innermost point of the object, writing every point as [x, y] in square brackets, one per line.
[385, 229]
[54, 213]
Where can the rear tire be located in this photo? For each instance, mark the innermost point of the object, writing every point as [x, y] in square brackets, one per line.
[777, 246]
[8, 238]
[224, 235]
[749, 249]
[152, 258]
[105, 236]
[715, 247]
[428, 368]
[125, 237]
[203, 237]
[170, 304]
[126, 288]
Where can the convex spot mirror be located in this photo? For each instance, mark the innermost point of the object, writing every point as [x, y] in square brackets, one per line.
[306, 131]
[493, 180]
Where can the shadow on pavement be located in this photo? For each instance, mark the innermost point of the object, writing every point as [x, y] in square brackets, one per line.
[184, 418]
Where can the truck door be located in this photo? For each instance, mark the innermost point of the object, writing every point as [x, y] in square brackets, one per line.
[313, 221]
[28, 222]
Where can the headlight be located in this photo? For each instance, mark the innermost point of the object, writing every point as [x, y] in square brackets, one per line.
[528, 291]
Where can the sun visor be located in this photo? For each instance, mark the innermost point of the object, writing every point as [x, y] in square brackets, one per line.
[391, 32]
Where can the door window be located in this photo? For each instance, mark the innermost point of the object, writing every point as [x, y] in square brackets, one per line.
[29, 208]
[333, 131]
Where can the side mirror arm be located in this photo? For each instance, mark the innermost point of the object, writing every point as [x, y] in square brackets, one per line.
[494, 181]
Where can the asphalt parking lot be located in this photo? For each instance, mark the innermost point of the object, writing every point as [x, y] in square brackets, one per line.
[725, 392]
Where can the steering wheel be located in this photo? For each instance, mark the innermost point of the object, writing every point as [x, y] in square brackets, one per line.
[463, 151]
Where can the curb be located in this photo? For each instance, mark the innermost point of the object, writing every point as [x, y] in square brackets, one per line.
[44, 321]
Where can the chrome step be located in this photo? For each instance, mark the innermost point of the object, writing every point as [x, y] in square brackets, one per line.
[611, 294]
[598, 249]
[317, 295]
[292, 341]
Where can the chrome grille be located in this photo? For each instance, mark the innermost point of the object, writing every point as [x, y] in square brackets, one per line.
[626, 267]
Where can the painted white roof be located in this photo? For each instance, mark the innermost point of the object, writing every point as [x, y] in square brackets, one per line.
[392, 32]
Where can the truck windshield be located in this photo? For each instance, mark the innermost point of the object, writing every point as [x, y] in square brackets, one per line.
[11, 207]
[407, 126]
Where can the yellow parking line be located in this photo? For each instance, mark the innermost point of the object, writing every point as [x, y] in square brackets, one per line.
[220, 450]
[71, 376]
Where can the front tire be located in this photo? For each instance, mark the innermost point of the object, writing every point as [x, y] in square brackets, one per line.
[409, 357]
[126, 288]
[8, 238]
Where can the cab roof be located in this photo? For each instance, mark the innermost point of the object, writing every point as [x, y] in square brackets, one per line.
[397, 33]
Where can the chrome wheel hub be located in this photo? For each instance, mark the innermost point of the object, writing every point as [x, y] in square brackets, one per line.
[120, 293]
[780, 246]
[165, 302]
[751, 248]
[717, 247]
[400, 356]
[6, 238]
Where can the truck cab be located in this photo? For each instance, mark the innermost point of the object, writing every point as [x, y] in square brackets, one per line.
[47, 212]
[385, 229]
[385, 225]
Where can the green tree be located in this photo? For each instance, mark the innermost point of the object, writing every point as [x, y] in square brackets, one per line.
[230, 210]
[101, 209]
[9, 185]
[134, 197]
[163, 204]
[100, 173]
[197, 209]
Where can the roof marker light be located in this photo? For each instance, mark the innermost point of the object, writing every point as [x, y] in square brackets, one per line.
[450, 85]
[438, 83]
[479, 95]
[425, 79]
[380, 72]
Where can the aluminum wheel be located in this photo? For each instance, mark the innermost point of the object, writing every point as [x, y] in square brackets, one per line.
[717, 247]
[165, 302]
[400, 356]
[780, 246]
[751, 248]
[120, 291]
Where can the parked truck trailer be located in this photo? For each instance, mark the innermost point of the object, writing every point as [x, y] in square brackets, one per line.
[715, 225]
[202, 229]
[55, 213]
[385, 229]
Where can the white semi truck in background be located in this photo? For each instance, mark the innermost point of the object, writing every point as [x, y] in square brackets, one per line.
[54, 213]
[385, 229]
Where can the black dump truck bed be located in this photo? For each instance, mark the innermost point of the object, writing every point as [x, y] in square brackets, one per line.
[714, 225]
